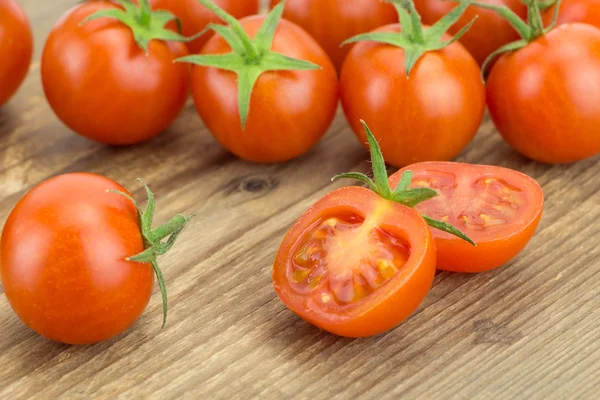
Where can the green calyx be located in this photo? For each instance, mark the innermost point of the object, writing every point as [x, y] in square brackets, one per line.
[414, 38]
[249, 58]
[529, 30]
[157, 241]
[145, 24]
[402, 193]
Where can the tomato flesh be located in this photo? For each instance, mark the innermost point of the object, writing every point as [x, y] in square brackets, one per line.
[355, 264]
[496, 207]
[321, 265]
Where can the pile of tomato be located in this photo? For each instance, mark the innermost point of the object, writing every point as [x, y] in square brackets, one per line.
[414, 79]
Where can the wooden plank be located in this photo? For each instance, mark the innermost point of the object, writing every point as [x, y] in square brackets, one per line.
[528, 330]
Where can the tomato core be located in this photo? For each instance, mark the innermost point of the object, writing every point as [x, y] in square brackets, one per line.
[344, 259]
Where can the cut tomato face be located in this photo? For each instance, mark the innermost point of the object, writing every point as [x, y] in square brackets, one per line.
[355, 264]
[496, 207]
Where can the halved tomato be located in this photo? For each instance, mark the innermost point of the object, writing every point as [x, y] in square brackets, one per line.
[498, 208]
[355, 264]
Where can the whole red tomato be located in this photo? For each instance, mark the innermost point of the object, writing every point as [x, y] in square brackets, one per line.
[290, 110]
[545, 97]
[331, 22]
[488, 33]
[586, 11]
[433, 114]
[194, 16]
[67, 258]
[104, 86]
[16, 47]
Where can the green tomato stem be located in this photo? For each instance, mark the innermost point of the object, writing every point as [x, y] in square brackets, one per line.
[154, 239]
[145, 13]
[252, 53]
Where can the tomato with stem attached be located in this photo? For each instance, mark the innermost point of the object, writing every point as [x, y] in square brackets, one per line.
[195, 17]
[498, 208]
[331, 22]
[544, 90]
[360, 261]
[488, 33]
[264, 88]
[78, 258]
[108, 71]
[417, 85]
[16, 47]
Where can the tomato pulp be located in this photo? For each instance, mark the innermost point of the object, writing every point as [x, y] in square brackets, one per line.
[496, 207]
[355, 264]
[102, 85]
[545, 98]
[331, 22]
[16, 47]
[63, 266]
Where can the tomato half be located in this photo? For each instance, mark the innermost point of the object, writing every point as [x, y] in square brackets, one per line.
[355, 264]
[545, 97]
[194, 16]
[331, 22]
[63, 267]
[16, 47]
[289, 110]
[489, 32]
[102, 85]
[585, 11]
[431, 115]
[496, 207]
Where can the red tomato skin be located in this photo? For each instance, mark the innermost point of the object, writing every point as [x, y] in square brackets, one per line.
[536, 95]
[489, 32]
[331, 22]
[63, 267]
[194, 16]
[289, 110]
[493, 250]
[584, 11]
[433, 115]
[104, 87]
[16, 47]
[396, 301]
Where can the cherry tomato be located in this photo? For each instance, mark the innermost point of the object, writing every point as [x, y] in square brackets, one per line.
[355, 264]
[194, 16]
[63, 265]
[16, 47]
[585, 11]
[496, 207]
[431, 115]
[289, 110]
[488, 33]
[102, 85]
[331, 22]
[545, 97]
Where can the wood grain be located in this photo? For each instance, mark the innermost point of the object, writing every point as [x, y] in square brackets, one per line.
[530, 330]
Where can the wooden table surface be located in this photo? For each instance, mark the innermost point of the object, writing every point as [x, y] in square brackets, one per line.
[529, 330]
